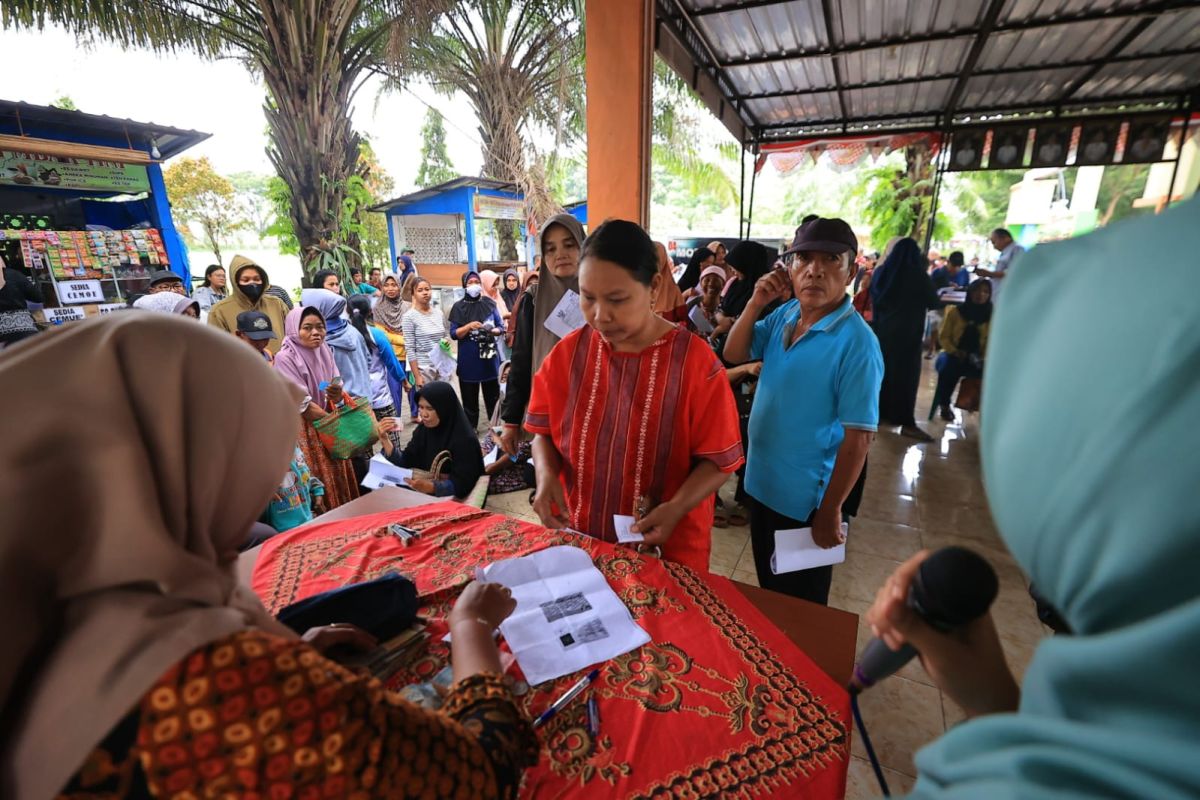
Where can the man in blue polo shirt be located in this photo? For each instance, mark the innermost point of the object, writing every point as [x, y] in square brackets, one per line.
[817, 404]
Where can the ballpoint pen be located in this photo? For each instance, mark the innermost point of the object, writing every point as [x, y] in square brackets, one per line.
[593, 711]
[566, 698]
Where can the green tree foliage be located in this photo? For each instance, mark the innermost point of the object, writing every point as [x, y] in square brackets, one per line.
[280, 226]
[1119, 187]
[673, 142]
[253, 195]
[435, 161]
[982, 197]
[64, 102]
[518, 63]
[312, 55]
[377, 186]
[198, 194]
[899, 200]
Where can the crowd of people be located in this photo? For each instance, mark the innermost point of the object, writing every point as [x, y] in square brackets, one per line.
[637, 398]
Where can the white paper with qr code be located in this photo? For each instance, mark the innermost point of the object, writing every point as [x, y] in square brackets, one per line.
[567, 616]
[565, 317]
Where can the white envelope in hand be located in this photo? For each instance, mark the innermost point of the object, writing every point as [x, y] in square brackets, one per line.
[795, 550]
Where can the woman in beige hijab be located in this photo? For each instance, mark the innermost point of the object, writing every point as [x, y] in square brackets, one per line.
[138, 662]
[560, 243]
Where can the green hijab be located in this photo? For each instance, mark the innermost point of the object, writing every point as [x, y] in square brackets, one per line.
[1092, 464]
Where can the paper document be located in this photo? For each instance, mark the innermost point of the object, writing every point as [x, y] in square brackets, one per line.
[384, 473]
[623, 523]
[566, 316]
[696, 315]
[795, 550]
[490, 458]
[952, 296]
[443, 362]
[567, 616]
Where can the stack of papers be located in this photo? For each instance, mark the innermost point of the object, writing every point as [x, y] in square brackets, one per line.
[795, 550]
[567, 617]
[384, 473]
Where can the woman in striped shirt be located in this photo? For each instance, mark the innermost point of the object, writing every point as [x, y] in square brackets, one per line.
[424, 330]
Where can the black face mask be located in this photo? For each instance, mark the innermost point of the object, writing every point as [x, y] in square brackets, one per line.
[252, 290]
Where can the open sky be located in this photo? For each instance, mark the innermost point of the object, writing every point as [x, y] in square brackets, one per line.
[221, 98]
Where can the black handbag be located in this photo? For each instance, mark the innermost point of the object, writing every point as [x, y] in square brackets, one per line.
[383, 607]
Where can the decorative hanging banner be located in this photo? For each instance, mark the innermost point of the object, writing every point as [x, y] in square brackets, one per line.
[60, 172]
[1147, 137]
[1097, 143]
[966, 150]
[1050, 145]
[1008, 148]
[488, 207]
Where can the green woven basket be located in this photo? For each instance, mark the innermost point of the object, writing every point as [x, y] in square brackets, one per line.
[349, 430]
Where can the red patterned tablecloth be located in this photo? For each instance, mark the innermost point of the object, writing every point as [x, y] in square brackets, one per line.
[719, 704]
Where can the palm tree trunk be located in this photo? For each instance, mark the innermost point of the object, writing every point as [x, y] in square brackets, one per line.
[918, 171]
[313, 145]
[504, 160]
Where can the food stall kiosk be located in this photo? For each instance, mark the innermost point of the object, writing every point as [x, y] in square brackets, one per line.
[83, 207]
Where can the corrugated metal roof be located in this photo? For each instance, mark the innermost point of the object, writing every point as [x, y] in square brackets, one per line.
[75, 126]
[453, 183]
[784, 65]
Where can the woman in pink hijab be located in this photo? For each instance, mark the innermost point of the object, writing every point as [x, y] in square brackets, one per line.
[307, 361]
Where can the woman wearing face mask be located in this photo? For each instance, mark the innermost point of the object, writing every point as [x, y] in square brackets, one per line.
[562, 236]
[648, 429]
[307, 361]
[249, 294]
[475, 323]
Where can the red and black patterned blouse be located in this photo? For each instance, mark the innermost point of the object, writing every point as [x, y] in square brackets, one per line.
[256, 716]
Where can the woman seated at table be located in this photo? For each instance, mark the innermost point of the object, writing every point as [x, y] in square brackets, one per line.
[141, 668]
[443, 427]
[633, 415]
[963, 339]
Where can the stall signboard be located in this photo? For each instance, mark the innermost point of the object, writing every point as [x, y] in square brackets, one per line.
[57, 315]
[488, 207]
[79, 292]
[36, 170]
[108, 308]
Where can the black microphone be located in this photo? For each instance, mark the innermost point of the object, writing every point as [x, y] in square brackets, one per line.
[951, 588]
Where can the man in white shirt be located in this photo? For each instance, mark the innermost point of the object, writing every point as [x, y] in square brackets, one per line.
[1002, 240]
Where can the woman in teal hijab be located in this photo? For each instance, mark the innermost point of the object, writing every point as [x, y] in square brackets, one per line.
[1092, 463]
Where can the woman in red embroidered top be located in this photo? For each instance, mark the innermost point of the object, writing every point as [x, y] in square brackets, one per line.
[633, 415]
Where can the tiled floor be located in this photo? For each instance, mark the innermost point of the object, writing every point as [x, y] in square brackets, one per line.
[917, 495]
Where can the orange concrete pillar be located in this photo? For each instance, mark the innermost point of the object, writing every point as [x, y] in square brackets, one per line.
[620, 66]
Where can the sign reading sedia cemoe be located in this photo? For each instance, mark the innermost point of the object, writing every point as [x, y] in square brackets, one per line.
[38, 171]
